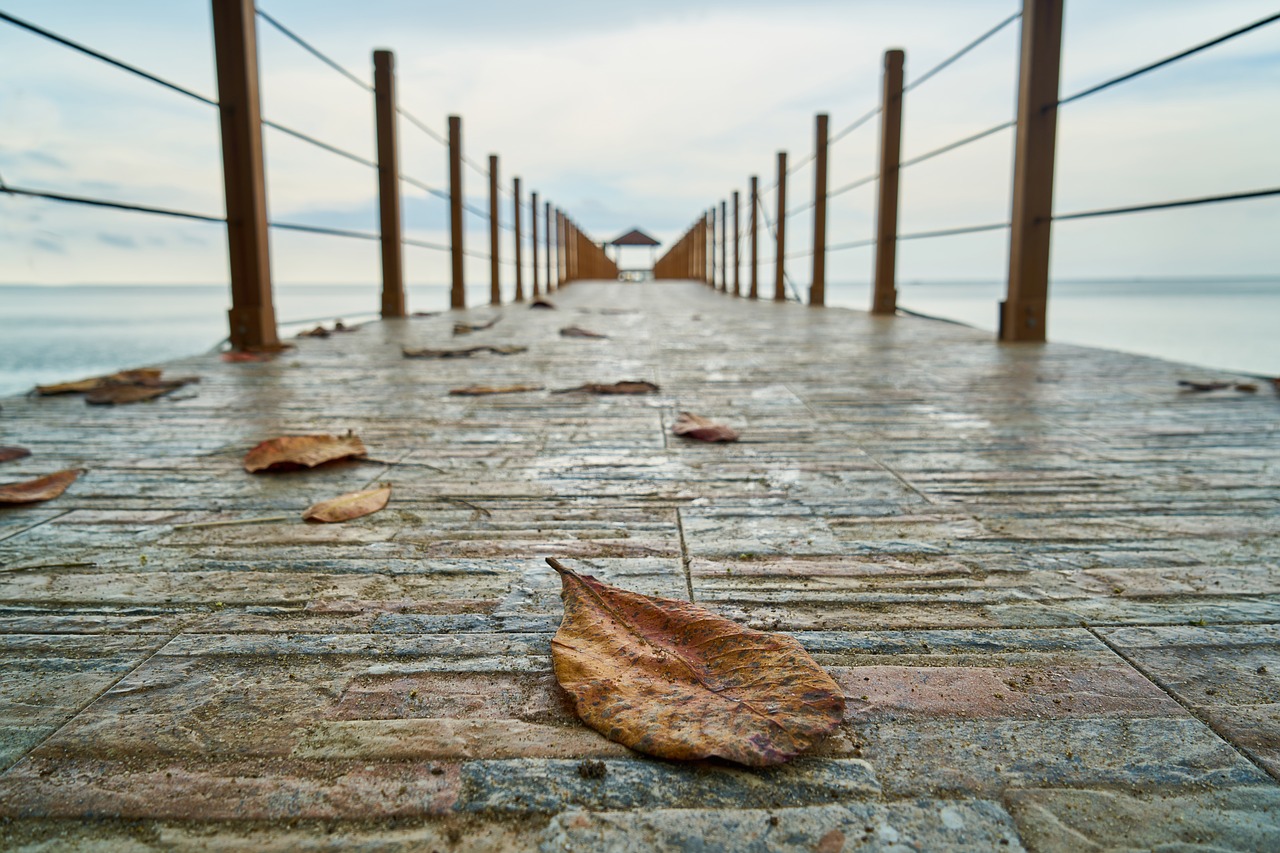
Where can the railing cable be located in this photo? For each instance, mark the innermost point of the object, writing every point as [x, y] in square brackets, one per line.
[852, 126]
[422, 126]
[333, 149]
[1165, 205]
[438, 193]
[795, 294]
[959, 143]
[314, 51]
[102, 57]
[115, 205]
[1138, 72]
[961, 52]
[951, 232]
[424, 244]
[853, 185]
[330, 232]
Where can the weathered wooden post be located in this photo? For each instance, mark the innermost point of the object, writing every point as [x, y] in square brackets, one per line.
[533, 232]
[389, 222]
[515, 212]
[884, 294]
[457, 292]
[724, 246]
[818, 286]
[712, 239]
[755, 242]
[562, 256]
[1023, 313]
[495, 275]
[780, 264]
[252, 317]
[546, 226]
[737, 250]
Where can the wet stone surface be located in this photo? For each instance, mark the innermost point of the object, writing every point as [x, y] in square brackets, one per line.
[1047, 581]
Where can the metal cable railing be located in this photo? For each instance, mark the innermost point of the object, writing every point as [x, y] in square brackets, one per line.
[309, 48]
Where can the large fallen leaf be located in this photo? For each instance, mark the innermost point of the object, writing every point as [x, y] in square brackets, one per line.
[8, 453]
[349, 506]
[39, 489]
[579, 332]
[670, 679]
[121, 393]
[302, 451]
[461, 353]
[483, 390]
[85, 385]
[690, 425]
[541, 303]
[625, 387]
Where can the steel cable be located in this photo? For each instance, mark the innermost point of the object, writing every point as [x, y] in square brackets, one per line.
[311, 49]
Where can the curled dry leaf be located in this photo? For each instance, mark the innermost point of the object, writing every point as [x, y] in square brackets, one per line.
[624, 387]
[290, 452]
[468, 328]
[579, 332]
[690, 425]
[122, 393]
[670, 679]
[483, 390]
[39, 489]
[1203, 386]
[461, 353]
[349, 506]
[83, 386]
[541, 303]
[8, 453]
[317, 332]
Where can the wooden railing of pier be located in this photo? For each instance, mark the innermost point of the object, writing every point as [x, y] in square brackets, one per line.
[703, 251]
[569, 252]
[1023, 313]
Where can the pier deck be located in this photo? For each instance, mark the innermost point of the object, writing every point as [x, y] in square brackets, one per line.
[1047, 580]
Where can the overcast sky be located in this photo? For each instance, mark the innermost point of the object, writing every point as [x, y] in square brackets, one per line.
[630, 114]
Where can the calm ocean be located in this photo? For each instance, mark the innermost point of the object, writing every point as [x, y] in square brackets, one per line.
[50, 334]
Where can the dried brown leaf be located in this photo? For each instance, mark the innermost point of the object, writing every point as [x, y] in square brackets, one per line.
[349, 506]
[668, 678]
[690, 425]
[541, 303]
[483, 390]
[85, 385]
[1203, 386]
[290, 452]
[468, 328]
[579, 332]
[121, 393]
[624, 387]
[39, 489]
[317, 332]
[8, 453]
[462, 353]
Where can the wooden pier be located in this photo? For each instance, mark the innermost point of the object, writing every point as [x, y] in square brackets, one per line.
[1044, 576]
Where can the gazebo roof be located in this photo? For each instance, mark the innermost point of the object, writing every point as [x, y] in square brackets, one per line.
[634, 237]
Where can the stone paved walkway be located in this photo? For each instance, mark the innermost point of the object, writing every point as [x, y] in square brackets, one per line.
[1046, 579]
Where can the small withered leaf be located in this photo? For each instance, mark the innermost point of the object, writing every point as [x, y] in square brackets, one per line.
[579, 332]
[301, 451]
[690, 425]
[625, 387]
[10, 452]
[40, 489]
[668, 678]
[349, 506]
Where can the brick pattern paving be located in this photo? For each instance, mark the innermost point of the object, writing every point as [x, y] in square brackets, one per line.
[1046, 579]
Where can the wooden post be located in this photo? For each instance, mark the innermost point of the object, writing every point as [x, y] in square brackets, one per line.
[711, 239]
[457, 292]
[1024, 312]
[884, 294]
[515, 210]
[780, 262]
[533, 232]
[546, 226]
[818, 286]
[754, 293]
[495, 275]
[389, 224]
[724, 246]
[737, 249]
[252, 317]
[560, 252]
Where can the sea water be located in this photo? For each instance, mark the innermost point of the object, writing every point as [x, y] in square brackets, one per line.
[58, 333]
